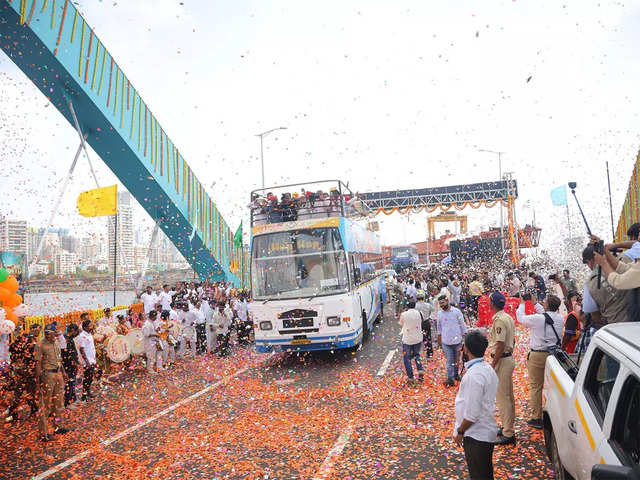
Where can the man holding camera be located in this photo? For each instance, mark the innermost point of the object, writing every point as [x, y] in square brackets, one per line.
[546, 329]
[605, 303]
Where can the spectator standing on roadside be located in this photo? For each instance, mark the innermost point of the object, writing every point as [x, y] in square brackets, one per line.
[451, 329]
[426, 310]
[513, 285]
[545, 333]
[538, 285]
[572, 324]
[569, 281]
[475, 426]
[87, 355]
[502, 341]
[410, 321]
[70, 362]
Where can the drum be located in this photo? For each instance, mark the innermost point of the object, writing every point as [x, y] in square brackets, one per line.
[118, 349]
[189, 333]
[136, 341]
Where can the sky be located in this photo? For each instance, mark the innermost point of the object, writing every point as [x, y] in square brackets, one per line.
[384, 95]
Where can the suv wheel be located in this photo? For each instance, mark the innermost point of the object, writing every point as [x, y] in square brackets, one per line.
[559, 473]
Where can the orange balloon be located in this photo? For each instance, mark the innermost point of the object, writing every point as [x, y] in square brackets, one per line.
[13, 301]
[10, 284]
[4, 294]
[9, 315]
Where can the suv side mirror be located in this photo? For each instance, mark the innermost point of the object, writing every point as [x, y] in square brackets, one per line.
[614, 472]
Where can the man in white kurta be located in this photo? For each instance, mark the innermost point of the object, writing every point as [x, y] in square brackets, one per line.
[151, 341]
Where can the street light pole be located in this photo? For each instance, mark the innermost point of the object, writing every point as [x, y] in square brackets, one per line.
[262, 135]
[499, 179]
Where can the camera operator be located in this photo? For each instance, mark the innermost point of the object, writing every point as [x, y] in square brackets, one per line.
[633, 245]
[605, 304]
[623, 276]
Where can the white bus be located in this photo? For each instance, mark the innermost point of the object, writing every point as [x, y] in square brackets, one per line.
[313, 279]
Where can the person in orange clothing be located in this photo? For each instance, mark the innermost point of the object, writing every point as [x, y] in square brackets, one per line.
[572, 324]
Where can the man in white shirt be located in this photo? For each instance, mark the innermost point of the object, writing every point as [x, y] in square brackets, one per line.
[475, 427]
[151, 343]
[222, 321]
[108, 320]
[211, 327]
[411, 323]
[411, 291]
[149, 300]
[187, 318]
[546, 331]
[166, 297]
[201, 327]
[87, 355]
[426, 311]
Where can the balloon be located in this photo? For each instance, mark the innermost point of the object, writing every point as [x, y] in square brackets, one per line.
[21, 310]
[7, 327]
[4, 294]
[13, 301]
[10, 284]
[4, 274]
[11, 316]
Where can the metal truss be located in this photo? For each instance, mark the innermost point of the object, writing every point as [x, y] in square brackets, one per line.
[431, 197]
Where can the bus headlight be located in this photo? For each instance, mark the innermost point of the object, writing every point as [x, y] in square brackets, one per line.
[333, 321]
[266, 325]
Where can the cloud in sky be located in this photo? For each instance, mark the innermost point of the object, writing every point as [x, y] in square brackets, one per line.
[382, 95]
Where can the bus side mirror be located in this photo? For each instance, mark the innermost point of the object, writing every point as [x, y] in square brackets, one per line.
[356, 275]
[613, 472]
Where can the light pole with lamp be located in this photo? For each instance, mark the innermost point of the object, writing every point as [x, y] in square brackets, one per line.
[262, 135]
[500, 179]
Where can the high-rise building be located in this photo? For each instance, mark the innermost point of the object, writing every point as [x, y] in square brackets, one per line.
[13, 236]
[89, 251]
[70, 243]
[65, 263]
[125, 239]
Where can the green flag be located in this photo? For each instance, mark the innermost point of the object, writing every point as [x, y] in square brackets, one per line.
[237, 238]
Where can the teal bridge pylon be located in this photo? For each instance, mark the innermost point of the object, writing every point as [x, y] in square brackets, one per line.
[54, 46]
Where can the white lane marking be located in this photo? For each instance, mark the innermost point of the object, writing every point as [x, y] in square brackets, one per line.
[387, 362]
[133, 428]
[334, 453]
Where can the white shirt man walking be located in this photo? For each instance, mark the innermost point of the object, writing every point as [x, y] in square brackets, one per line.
[475, 428]
[411, 323]
[546, 331]
[451, 329]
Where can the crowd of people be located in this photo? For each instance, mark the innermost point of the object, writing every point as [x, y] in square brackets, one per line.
[303, 205]
[441, 303]
[176, 322]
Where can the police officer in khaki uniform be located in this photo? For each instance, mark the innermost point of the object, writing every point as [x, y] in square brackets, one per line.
[501, 341]
[51, 378]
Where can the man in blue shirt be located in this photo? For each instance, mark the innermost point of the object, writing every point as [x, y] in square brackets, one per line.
[451, 330]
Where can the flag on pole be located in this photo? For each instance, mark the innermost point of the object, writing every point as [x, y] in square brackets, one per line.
[559, 196]
[98, 202]
[237, 238]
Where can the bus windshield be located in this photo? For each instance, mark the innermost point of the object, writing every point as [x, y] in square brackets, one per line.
[299, 263]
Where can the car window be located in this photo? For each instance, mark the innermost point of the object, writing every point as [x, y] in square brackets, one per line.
[598, 384]
[625, 433]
